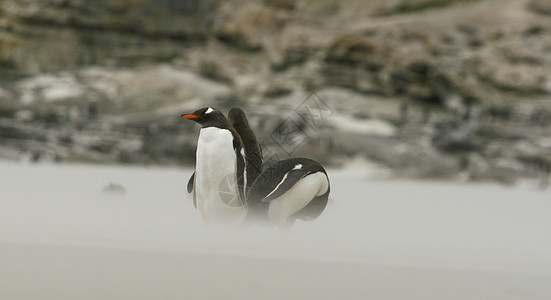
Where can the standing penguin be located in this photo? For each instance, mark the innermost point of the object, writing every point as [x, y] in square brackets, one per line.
[218, 184]
[253, 151]
[294, 188]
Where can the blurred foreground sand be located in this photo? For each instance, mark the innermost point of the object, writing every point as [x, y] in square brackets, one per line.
[62, 238]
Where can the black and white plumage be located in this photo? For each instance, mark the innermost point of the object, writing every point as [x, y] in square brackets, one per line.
[253, 151]
[295, 188]
[218, 184]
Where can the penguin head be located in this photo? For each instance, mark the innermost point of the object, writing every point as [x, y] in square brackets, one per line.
[237, 117]
[206, 117]
[236, 113]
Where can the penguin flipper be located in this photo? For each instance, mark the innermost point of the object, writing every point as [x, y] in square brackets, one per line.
[191, 188]
[253, 150]
[190, 183]
[239, 166]
[240, 179]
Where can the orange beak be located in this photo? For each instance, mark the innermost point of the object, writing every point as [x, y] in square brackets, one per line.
[190, 116]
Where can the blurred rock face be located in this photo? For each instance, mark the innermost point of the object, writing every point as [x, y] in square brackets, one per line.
[431, 88]
[54, 35]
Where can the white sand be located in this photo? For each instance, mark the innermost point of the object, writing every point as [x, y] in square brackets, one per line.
[61, 238]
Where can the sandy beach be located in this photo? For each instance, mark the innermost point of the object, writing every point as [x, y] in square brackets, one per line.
[61, 237]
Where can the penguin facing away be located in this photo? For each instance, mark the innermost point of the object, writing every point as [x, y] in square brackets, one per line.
[291, 189]
[218, 184]
[253, 151]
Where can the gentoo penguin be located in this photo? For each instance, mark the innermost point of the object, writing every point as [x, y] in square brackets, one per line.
[294, 188]
[218, 184]
[253, 151]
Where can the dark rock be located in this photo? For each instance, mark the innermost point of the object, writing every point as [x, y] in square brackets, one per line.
[114, 189]
[534, 30]
[492, 113]
[102, 146]
[457, 140]
[246, 27]
[275, 91]
[291, 57]
[12, 131]
[540, 117]
[540, 6]
[212, 70]
[282, 4]
[7, 112]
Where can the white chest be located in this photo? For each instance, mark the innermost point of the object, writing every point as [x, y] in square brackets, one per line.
[215, 187]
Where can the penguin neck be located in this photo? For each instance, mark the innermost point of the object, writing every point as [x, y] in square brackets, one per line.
[211, 133]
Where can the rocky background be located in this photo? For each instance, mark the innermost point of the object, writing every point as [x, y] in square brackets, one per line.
[445, 89]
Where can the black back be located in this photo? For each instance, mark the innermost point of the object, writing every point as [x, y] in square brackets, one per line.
[253, 151]
[264, 188]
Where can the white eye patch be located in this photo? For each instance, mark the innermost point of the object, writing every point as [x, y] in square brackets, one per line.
[298, 167]
[209, 110]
